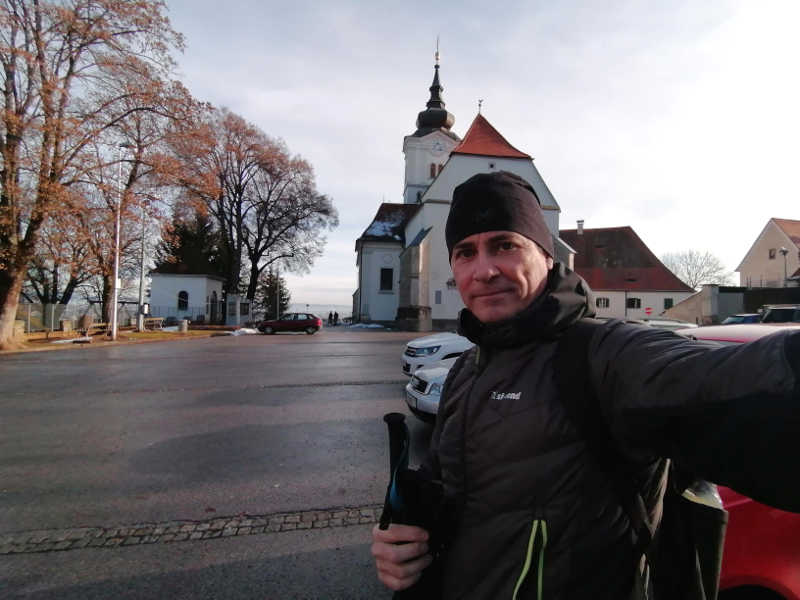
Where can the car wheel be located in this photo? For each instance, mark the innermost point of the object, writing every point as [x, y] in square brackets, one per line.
[311, 330]
[268, 330]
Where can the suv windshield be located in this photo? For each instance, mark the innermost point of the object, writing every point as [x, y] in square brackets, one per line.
[782, 315]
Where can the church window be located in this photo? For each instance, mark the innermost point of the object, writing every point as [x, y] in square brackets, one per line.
[433, 170]
[668, 303]
[440, 168]
[633, 303]
[771, 253]
[438, 296]
[419, 197]
[183, 300]
[387, 275]
[491, 165]
[602, 302]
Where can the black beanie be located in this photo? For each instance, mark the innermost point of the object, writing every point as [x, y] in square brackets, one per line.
[499, 201]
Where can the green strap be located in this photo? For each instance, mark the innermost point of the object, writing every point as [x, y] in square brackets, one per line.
[529, 558]
[541, 560]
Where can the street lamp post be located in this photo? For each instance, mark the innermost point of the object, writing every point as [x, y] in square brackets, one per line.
[784, 251]
[115, 293]
[140, 314]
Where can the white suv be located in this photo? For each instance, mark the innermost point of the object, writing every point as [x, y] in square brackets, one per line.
[427, 350]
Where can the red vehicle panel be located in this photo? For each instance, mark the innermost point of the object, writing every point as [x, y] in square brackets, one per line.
[762, 547]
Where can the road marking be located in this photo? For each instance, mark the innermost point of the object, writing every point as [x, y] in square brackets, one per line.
[165, 532]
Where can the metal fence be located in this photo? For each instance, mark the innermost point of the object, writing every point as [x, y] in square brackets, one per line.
[49, 317]
[212, 312]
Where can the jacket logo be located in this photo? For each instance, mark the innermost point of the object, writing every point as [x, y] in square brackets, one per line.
[505, 395]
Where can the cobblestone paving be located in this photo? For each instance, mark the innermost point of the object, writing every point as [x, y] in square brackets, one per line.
[51, 540]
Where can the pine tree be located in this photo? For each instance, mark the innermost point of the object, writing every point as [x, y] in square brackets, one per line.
[271, 286]
[190, 246]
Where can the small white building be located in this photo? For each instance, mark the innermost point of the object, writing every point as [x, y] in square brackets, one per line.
[193, 297]
[404, 274]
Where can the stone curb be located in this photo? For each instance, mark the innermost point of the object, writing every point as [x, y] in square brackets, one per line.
[53, 540]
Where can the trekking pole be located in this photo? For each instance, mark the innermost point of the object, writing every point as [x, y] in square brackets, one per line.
[399, 440]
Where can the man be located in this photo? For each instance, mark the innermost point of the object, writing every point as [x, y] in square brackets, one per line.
[534, 513]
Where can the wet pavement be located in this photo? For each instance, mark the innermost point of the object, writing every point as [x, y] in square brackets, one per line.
[192, 431]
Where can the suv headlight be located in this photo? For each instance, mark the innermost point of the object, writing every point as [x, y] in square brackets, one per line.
[436, 389]
[427, 351]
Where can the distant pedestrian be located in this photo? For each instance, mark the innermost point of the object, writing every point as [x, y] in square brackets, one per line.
[330, 318]
[335, 319]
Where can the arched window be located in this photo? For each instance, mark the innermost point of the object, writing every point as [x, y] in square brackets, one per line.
[433, 170]
[183, 300]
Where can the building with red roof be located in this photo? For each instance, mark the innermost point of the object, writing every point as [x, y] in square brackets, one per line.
[627, 278]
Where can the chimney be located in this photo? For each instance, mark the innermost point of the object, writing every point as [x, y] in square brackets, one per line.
[580, 226]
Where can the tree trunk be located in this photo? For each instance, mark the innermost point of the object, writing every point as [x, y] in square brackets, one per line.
[108, 297]
[72, 285]
[255, 272]
[10, 286]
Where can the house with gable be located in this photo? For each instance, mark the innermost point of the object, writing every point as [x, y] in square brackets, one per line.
[404, 274]
[774, 258]
[628, 280]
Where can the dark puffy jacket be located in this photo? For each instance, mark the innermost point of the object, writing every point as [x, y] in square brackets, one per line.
[533, 514]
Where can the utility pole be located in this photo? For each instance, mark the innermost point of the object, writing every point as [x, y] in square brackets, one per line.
[140, 315]
[784, 251]
[115, 294]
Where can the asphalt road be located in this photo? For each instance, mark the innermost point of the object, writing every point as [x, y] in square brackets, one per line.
[191, 431]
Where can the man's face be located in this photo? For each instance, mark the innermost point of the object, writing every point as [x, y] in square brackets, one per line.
[499, 273]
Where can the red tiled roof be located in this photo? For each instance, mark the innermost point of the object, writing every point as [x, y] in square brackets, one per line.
[790, 228]
[484, 140]
[615, 258]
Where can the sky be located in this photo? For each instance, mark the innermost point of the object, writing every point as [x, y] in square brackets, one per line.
[679, 119]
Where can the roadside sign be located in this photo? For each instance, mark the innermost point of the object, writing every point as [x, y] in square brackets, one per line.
[648, 311]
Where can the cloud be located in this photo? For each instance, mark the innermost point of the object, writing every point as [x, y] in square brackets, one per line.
[679, 119]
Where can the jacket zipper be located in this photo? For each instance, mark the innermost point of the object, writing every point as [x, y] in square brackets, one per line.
[538, 530]
[478, 372]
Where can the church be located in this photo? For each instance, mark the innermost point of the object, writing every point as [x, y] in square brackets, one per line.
[404, 276]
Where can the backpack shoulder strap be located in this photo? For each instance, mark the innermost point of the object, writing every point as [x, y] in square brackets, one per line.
[581, 404]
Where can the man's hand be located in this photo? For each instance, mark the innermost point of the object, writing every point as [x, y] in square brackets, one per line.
[401, 553]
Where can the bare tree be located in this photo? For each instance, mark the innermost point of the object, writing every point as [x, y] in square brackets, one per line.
[56, 57]
[696, 268]
[287, 218]
[62, 262]
[264, 201]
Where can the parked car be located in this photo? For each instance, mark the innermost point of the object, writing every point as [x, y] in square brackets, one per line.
[424, 389]
[742, 318]
[781, 313]
[292, 322]
[735, 334]
[761, 557]
[671, 324]
[427, 350]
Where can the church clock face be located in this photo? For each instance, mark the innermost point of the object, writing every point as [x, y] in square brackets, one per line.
[437, 148]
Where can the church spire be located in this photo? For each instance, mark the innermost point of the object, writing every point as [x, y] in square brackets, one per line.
[435, 116]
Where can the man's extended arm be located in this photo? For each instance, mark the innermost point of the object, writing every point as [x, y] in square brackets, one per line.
[729, 414]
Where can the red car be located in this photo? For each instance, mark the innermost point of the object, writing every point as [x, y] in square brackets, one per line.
[761, 558]
[292, 322]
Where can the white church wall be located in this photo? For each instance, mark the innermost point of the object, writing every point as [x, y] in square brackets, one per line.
[378, 304]
[461, 167]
